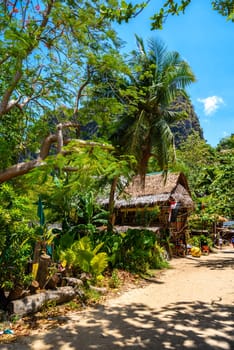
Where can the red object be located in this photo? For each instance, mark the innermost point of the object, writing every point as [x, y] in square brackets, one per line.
[173, 204]
[205, 249]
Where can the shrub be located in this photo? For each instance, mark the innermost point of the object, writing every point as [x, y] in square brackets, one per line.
[82, 255]
[16, 239]
[135, 250]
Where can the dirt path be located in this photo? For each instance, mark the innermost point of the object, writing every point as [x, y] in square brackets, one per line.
[190, 306]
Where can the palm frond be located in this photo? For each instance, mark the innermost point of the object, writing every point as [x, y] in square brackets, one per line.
[173, 116]
[156, 52]
[140, 45]
[163, 143]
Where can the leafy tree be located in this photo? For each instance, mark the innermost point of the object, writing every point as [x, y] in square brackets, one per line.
[220, 190]
[142, 94]
[171, 7]
[194, 155]
[226, 144]
[49, 53]
[168, 8]
[70, 197]
[210, 175]
[225, 8]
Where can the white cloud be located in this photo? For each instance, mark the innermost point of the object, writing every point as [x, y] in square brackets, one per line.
[211, 104]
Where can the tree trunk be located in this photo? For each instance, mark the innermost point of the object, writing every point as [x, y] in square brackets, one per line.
[111, 219]
[33, 287]
[3, 299]
[37, 252]
[35, 302]
[42, 273]
[143, 162]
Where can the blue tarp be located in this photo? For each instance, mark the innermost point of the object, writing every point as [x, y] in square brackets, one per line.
[228, 224]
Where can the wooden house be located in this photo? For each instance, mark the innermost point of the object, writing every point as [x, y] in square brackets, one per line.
[162, 204]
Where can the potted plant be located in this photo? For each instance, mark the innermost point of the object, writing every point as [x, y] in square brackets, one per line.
[205, 244]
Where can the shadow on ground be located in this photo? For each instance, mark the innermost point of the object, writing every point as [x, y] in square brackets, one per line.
[217, 263]
[185, 325]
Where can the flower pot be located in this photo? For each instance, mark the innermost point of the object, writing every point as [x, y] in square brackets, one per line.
[205, 249]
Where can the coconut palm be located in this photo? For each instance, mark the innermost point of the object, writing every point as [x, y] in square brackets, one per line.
[157, 78]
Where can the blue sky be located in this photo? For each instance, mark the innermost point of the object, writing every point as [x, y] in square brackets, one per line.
[205, 40]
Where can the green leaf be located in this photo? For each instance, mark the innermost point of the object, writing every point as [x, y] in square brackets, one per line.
[99, 263]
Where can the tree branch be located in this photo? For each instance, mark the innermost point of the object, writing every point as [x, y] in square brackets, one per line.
[25, 167]
[46, 15]
[79, 94]
[18, 170]
[6, 105]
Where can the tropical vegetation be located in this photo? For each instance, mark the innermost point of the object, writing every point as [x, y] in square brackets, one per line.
[174, 8]
[157, 78]
[78, 118]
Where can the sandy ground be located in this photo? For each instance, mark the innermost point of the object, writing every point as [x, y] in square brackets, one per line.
[190, 306]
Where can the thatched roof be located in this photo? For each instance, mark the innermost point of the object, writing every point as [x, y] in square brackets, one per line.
[156, 190]
[156, 184]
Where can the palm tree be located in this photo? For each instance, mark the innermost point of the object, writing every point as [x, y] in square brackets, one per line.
[157, 78]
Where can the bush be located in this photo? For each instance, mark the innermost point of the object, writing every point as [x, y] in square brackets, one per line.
[16, 238]
[84, 256]
[198, 241]
[135, 250]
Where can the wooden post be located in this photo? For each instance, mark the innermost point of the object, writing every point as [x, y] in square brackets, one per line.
[111, 219]
[42, 273]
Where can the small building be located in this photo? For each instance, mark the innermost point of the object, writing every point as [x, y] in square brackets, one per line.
[161, 204]
[226, 231]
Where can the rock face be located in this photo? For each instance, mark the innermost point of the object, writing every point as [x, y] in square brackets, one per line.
[181, 129]
[185, 127]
